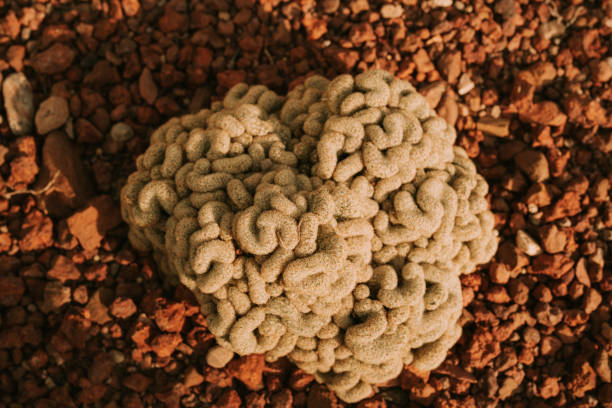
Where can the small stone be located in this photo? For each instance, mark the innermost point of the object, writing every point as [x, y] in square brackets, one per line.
[248, 370]
[18, 103]
[228, 79]
[600, 190]
[552, 238]
[229, 399]
[391, 11]
[449, 65]
[465, 84]
[551, 29]
[12, 289]
[257, 400]
[15, 55]
[87, 132]
[538, 195]
[499, 273]
[192, 377]
[549, 387]
[583, 378]
[321, 397]
[448, 108]
[433, 93]
[602, 366]
[329, 6]
[497, 294]
[342, 59]
[3, 153]
[544, 113]
[147, 86]
[23, 167]
[544, 72]
[54, 59]
[498, 127]
[506, 8]
[36, 232]
[137, 382]
[523, 89]
[171, 317]
[534, 164]
[130, 7]
[602, 70]
[52, 114]
[91, 224]
[422, 61]
[98, 311]
[218, 356]
[164, 344]
[548, 315]
[361, 33]
[531, 336]
[96, 273]
[439, 3]
[140, 334]
[122, 308]
[72, 186]
[282, 399]
[554, 266]
[100, 368]
[550, 345]
[103, 73]
[527, 244]
[121, 132]
[299, 380]
[63, 269]
[592, 300]
[80, 294]
[566, 206]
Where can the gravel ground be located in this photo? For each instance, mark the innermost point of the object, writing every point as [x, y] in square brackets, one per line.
[86, 321]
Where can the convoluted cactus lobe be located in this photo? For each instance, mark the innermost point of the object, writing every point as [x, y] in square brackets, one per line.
[329, 226]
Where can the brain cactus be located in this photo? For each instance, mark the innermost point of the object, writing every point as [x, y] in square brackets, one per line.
[329, 226]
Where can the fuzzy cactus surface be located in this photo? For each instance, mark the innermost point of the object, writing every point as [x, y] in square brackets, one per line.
[330, 226]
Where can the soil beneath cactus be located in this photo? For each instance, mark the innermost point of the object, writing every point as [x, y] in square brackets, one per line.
[87, 321]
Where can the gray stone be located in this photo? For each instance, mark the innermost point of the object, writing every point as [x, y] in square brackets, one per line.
[18, 103]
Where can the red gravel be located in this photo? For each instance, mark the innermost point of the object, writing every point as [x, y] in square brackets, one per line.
[86, 320]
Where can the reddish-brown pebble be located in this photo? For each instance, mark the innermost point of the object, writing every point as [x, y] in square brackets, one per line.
[320, 396]
[552, 238]
[63, 269]
[54, 59]
[592, 300]
[299, 380]
[534, 164]
[87, 132]
[164, 344]
[136, 382]
[12, 289]
[583, 378]
[249, 370]
[147, 86]
[282, 399]
[91, 224]
[51, 114]
[229, 399]
[36, 232]
[122, 308]
[192, 378]
[449, 65]
[130, 7]
[97, 309]
[72, 186]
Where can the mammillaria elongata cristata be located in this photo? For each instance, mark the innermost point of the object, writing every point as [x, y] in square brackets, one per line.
[329, 226]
